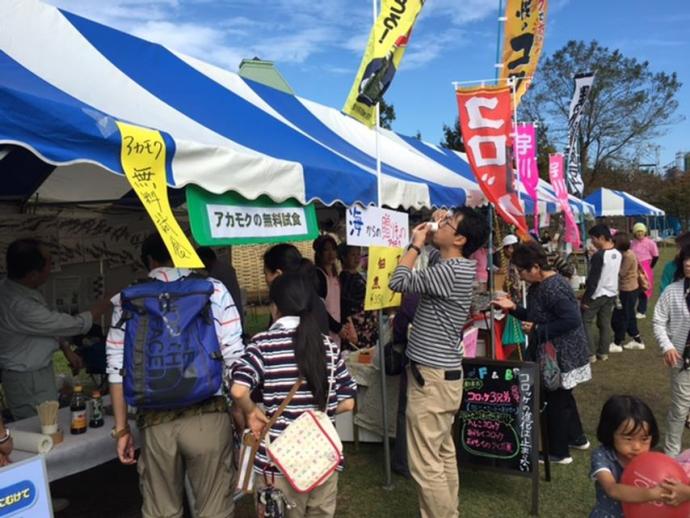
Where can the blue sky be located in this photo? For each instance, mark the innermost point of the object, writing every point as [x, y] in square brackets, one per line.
[318, 44]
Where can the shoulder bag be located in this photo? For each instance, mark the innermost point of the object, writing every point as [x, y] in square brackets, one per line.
[309, 450]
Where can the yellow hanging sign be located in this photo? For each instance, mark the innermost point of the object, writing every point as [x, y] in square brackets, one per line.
[523, 41]
[387, 43]
[143, 161]
[382, 263]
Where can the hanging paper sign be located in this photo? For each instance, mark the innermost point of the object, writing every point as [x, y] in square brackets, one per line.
[387, 43]
[230, 219]
[485, 116]
[143, 161]
[372, 226]
[24, 489]
[382, 264]
[523, 42]
[572, 233]
[525, 155]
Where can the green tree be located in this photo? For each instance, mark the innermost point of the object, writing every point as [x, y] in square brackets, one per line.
[452, 137]
[386, 114]
[628, 106]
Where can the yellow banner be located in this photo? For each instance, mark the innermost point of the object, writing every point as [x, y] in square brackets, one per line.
[387, 42]
[143, 161]
[382, 263]
[523, 41]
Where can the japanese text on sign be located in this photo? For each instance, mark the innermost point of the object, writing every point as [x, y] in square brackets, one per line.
[237, 221]
[143, 161]
[372, 226]
[382, 263]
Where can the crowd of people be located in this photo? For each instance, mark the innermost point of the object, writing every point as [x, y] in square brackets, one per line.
[265, 383]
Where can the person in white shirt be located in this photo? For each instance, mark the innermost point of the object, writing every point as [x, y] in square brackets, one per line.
[195, 440]
[601, 291]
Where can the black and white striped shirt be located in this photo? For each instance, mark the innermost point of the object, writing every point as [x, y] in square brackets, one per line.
[446, 294]
[269, 363]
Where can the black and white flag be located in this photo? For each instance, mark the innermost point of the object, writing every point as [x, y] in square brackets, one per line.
[583, 84]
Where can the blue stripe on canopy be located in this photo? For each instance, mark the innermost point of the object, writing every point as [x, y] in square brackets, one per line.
[609, 202]
[294, 111]
[221, 110]
[60, 128]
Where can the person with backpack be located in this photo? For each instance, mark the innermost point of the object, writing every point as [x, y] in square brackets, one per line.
[300, 370]
[173, 340]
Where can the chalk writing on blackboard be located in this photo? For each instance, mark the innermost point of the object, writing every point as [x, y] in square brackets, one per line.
[496, 416]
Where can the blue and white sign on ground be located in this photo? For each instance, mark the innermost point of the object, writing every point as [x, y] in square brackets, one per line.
[24, 490]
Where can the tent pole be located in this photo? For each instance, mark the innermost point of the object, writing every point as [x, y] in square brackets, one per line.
[388, 484]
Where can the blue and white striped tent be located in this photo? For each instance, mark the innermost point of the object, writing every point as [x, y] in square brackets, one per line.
[64, 80]
[608, 202]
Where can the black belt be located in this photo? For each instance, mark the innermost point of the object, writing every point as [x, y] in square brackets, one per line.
[447, 375]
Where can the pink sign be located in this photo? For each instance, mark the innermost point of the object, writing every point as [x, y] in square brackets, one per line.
[526, 157]
[572, 234]
[469, 341]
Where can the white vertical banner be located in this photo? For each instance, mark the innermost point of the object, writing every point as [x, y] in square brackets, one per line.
[583, 85]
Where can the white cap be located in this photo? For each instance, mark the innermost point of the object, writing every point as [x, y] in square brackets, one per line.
[510, 239]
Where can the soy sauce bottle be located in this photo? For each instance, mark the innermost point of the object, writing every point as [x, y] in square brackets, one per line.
[78, 408]
[96, 410]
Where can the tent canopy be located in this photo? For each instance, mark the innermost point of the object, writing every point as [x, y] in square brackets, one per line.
[65, 80]
[608, 202]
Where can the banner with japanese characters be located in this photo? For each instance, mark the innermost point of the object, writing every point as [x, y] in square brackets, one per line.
[381, 265]
[485, 121]
[583, 85]
[525, 148]
[523, 42]
[372, 226]
[142, 156]
[230, 219]
[556, 175]
[387, 43]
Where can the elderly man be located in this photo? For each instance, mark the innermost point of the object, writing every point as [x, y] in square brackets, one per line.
[29, 329]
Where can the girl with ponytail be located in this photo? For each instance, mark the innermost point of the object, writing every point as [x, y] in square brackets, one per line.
[294, 347]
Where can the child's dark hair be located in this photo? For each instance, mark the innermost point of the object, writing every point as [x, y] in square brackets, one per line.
[293, 295]
[619, 409]
[683, 256]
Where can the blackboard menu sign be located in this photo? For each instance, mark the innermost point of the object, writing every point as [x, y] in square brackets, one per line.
[498, 423]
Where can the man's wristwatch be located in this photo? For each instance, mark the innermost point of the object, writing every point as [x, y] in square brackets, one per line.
[415, 248]
[7, 436]
[116, 434]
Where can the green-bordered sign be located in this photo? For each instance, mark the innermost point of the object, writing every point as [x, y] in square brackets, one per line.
[230, 219]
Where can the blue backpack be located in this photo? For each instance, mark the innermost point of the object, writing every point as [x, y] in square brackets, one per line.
[172, 357]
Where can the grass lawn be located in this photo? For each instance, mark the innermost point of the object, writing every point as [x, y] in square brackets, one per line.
[570, 492]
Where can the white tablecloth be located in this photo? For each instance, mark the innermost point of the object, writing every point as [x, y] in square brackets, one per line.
[76, 453]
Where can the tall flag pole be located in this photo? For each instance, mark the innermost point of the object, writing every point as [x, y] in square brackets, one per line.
[583, 85]
[523, 42]
[388, 40]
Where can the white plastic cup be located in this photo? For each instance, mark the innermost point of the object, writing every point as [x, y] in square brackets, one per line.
[49, 429]
[432, 226]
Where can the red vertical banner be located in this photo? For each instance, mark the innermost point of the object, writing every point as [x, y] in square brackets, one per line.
[556, 175]
[485, 121]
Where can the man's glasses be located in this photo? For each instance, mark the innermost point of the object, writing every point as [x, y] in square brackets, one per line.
[447, 221]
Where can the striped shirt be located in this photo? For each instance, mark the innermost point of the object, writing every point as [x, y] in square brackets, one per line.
[269, 364]
[225, 316]
[446, 294]
[672, 318]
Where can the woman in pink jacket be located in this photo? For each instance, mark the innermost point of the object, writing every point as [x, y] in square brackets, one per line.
[647, 254]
